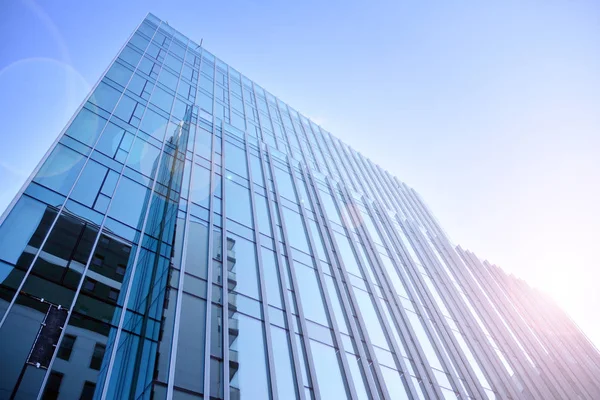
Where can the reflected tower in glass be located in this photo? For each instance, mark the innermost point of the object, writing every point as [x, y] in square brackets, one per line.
[191, 236]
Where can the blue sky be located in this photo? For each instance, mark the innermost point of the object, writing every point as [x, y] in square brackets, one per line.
[489, 109]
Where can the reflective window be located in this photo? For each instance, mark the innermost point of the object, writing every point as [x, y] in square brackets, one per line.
[310, 295]
[393, 383]
[112, 139]
[60, 169]
[296, 233]
[423, 339]
[271, 276]
[242, 266]
[129, 202]
[238, 206]
[105, 97]
[358, 378]
[203, 143]
[248, 368]
[19, 228]
[262, 214]
[329, 206]
[329, 375]
[86, 127]
[119, 74]
[88, 185]
[66, 347]
[235, 160]
[345, 251]
[285, 184]
[189, 369]
[196, 257]
[162, 99]
[144, 157]
[154, 124]
[336, 304]
[200, 190]
[374, 327]
[284, 370]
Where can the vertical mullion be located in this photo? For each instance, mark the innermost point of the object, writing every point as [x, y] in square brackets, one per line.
[282, 282]
[497, 329]
[45, 157]
[539, 326]
[290, 263]
[263, 291]
[338, 339]
[408, 332]
[138, 251]
[349, 291]
[60, 211]
[445, 339]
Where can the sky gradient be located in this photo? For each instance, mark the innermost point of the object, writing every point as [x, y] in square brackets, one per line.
[490, 110]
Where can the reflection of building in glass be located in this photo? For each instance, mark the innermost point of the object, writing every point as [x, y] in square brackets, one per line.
[191, 236]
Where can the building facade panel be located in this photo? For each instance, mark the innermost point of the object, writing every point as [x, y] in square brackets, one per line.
[191, 236]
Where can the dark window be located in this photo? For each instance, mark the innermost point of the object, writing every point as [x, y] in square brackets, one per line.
[97, 356]
[66, 347]
[98, 260]
[113, 294]
[89, 284]
[88, 391]
[53, 386]
[120, 269]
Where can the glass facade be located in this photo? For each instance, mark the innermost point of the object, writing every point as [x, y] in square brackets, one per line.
[191, 236]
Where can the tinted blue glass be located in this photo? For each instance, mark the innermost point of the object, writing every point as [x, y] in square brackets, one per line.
[144, 157]
[105, 97]
[329, 375]
[86, 127]
[162, 99]
[310, 294]
[173, 63]
[243, 266]
[60, 169]
[154, 124]
[239, 209]
[295, 230]
[235, 159]
[119, 74]
[111, 140]
[286, 387]
[89, 184]
[200, 190]
[189, 372]
[271, 277]
[251, 379]
[196, 258]
[129, 202]
[130, 56]
[18, 228]
[168, 79]
[345, 251]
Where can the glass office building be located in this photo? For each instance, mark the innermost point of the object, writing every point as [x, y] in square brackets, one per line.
[191, 236]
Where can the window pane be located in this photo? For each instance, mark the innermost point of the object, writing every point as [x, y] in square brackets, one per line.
[189, 370]
[248, 377]
[86, 127]
[295, 230]
[128, 203]
[154, 124]
[329, 375]
[242, 266]
[284, 370]
[310, 294]
[60, 169]
[238, 203]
